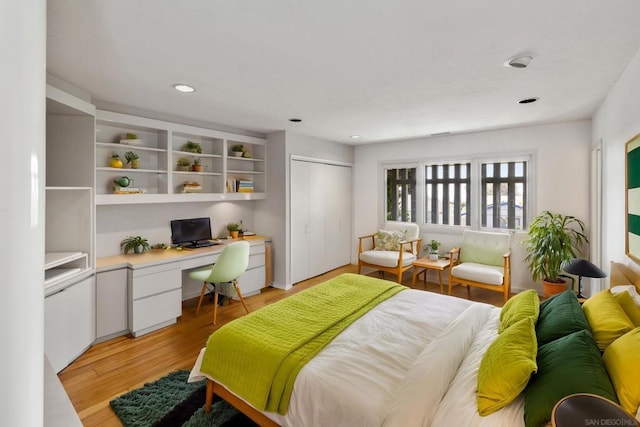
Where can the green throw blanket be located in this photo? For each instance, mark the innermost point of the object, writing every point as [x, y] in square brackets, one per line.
[258, 356]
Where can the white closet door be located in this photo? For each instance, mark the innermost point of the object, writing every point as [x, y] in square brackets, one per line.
[299, 231]
[337, 219]
[320, 218]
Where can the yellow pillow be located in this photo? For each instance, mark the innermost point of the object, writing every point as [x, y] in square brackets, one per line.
[629, 307]
[606, 318]
[622, 359]
[506, 366]
[524, 304]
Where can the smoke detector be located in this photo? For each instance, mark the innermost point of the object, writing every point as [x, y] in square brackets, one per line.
[521, 60]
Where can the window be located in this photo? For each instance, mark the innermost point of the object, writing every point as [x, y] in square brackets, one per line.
[504, 195]
[471, 192]
[447, 194]
[401, 194]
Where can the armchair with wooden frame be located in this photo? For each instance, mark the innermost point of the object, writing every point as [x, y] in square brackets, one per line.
[483, 260]
[392, 249]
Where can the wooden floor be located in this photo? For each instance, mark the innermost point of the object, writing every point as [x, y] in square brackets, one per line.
[114, 367]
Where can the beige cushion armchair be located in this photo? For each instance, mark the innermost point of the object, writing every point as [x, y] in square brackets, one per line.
[482, 260]
[392, 249]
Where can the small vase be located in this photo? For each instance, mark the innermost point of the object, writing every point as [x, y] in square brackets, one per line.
[135, 163]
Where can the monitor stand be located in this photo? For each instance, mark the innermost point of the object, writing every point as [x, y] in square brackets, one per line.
[199, 244]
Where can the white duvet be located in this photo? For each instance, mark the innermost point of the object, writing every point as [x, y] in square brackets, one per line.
[411, 361]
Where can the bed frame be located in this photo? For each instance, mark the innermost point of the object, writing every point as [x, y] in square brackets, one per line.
[251, 412]
[623, 275]
[620, 275]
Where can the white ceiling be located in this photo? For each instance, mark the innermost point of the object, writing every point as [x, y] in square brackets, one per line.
[386, 70]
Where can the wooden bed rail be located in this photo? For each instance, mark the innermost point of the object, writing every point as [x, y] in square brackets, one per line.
[242, 406]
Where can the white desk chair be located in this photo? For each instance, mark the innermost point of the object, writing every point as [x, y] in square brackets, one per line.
[231, 263]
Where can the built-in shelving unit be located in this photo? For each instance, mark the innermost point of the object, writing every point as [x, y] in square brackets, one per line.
[166, 172]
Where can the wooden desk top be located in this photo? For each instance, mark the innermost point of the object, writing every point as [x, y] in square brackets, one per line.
[160, 256]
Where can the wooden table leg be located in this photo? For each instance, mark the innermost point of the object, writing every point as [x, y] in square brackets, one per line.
[413, 279]
[440, 280]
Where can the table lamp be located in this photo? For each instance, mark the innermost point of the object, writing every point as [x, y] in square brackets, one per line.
[581, 267]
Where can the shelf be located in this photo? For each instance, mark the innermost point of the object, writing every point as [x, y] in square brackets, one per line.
[245, 159]
[126, 199]
[54, 259]
[245, 172]
[126, 147]
[200, 155]
[108, 169]
[197, 173]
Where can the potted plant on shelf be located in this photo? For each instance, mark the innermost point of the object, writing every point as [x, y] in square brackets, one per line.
[130, 138]
[184, 164]
[433, 246]
[132, 158]
[196, 167]
[137, 244]
[192, 147]
[554, 239]
[115, 161]
[238, 150]
[234, 229]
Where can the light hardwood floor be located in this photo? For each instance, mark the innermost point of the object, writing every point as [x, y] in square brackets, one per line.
[114, 367]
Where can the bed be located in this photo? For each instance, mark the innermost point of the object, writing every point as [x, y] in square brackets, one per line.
[412, 359]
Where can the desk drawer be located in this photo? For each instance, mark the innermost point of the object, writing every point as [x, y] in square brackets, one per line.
[144, 285]
[155, 310]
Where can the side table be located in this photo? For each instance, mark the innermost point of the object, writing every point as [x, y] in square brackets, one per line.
[426, 264]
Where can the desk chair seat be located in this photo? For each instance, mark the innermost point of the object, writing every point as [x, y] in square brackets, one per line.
[223, 275]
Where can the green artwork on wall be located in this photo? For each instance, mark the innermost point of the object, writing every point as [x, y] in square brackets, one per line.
[632, 240]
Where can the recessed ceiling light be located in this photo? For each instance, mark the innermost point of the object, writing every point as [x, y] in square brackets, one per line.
[294, 120]
[522, 60]
[184, 88]
[356, 136]
[528, 100]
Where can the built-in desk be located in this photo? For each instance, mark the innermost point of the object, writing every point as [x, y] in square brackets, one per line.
[150, 285]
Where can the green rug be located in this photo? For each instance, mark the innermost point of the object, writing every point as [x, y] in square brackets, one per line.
[171, 401]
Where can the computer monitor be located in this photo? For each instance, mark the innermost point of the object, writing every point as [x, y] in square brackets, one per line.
[191, 232]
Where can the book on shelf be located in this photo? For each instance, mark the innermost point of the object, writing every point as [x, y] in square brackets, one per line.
[127, 190]
[191, 187]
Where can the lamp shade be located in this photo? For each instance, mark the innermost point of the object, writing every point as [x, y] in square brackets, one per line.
[582, 267]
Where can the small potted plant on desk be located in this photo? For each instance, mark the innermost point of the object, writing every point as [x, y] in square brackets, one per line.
[137, 244]
[234, 229]
[433, 250]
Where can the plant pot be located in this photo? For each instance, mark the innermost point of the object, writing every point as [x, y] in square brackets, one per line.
[237, 153]
[235, 234]
[186, 168]
[196, 168]
[550, 288]
[135, 163]
[433, 256]
[138, 249]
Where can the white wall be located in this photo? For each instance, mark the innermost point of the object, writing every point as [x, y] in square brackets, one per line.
[272, 215]
[616, 121]
[560, 177]
[22, 120]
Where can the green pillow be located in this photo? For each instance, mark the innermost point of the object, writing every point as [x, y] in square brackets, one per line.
[560, 315]
[525, 304]
[568, 365]
[507, 366]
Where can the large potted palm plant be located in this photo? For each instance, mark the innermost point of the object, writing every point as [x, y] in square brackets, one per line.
[554, 239]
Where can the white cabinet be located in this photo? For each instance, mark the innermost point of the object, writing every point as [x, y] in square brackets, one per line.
[177, 162]
[111, 304]
[154, 297]
[320, 218]
[70, 325]
[253, 279]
